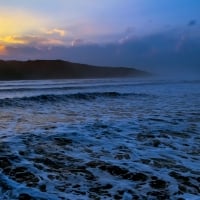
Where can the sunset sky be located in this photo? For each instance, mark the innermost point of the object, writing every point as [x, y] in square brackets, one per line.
[120, 29]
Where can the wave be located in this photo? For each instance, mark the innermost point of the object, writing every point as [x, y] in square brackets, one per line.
[38, 89]
[64, 97]
[40, 86]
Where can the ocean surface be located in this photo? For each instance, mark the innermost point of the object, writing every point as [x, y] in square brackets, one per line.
[100, 139]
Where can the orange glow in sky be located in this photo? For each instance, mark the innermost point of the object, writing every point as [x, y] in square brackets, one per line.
[2, 50]
[29, 27]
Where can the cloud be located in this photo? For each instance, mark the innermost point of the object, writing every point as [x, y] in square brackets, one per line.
[22, 28]
[192, 22]
[124, 39]
[52, 42]
[12, 40]
[163, 51]
[60, 32]
[127, 35]
[31, 40]
[77, 42]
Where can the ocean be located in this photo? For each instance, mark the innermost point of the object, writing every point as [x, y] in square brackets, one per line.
[100, 139]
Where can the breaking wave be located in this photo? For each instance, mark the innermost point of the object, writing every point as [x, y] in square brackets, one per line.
[64, 97]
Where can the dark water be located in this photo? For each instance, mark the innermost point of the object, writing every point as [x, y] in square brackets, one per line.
[100, 139]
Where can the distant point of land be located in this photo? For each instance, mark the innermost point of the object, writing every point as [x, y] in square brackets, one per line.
[59, 69]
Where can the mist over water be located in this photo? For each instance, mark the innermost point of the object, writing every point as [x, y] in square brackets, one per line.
[105, 138]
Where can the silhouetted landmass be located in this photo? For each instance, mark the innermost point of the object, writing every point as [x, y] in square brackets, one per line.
[58, 69]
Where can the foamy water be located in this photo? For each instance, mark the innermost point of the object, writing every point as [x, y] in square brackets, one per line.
[100, 139]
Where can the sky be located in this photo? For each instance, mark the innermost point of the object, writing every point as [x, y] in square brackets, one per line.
[114, 32]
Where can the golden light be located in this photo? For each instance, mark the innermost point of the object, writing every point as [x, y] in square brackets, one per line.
[60, 32]
[16, 25]
[12, 40]
[2, 50]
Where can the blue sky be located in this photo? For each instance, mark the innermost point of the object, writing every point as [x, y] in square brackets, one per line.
[64, 24]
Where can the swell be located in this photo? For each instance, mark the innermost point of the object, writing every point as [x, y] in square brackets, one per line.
[71, 85]
[64, 97]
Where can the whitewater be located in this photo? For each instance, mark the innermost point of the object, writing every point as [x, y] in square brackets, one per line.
[100, 139]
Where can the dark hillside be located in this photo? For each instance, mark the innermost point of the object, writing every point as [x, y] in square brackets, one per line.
[58, 69]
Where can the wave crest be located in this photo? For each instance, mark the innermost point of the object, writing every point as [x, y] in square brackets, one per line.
[64, 97]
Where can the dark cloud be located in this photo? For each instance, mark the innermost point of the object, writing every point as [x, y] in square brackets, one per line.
[192, 22]
[162, 51]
